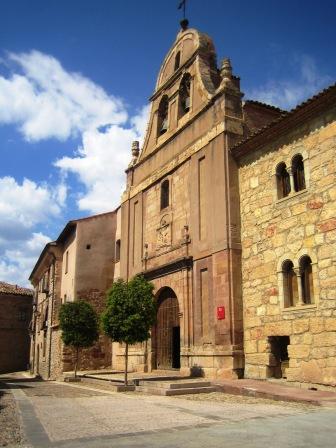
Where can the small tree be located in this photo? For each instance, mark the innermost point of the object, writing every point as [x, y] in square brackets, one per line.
[79, 325]
[130, 313]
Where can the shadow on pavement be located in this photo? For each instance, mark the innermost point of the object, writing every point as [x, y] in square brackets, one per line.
[8, 384]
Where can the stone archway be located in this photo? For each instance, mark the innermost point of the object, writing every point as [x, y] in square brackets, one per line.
[167, 331]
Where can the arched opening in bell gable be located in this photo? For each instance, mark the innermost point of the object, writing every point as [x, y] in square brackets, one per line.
[177, 61]
[163, 116]
[184, 95]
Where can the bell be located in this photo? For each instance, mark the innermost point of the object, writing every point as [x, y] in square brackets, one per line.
[164, 126]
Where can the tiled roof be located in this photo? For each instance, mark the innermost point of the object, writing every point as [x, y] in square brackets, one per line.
[268, 106]
[7, 288]
[237, 148]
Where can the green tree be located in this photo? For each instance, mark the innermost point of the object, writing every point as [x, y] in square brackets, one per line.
[130, 313]
[79, 325]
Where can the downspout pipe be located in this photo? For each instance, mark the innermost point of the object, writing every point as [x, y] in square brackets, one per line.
[51, 314]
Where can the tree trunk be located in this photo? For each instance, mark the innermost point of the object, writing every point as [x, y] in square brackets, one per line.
[126, 362]
[76, 361]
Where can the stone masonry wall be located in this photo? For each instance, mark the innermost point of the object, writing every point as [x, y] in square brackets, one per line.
[303, 223]
[14, 336]
[100, 354]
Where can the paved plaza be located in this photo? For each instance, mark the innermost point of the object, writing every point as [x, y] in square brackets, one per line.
[63, 415]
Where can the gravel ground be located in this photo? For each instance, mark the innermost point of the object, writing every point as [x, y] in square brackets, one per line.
[10, 432]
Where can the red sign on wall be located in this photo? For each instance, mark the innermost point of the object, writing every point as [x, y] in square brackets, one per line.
[220, 312]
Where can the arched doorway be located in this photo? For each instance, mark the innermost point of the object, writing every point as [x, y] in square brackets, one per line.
[167, 331]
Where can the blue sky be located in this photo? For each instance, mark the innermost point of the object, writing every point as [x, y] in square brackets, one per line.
[75, 78]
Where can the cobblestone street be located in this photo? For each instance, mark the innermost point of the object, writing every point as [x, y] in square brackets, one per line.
[62, 415]
[10, 432]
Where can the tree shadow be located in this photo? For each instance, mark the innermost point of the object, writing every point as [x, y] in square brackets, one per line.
[4, 386]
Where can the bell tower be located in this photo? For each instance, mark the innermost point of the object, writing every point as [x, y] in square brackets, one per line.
[180, 222]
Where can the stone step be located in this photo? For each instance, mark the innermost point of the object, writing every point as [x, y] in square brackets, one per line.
[90, 380]
[178, 391]
[108, 385]
[174, 385]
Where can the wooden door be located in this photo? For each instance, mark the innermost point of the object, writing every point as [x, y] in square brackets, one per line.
[168, 332]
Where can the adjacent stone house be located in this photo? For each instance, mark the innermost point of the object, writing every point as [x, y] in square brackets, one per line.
[78, 265]
[16, 306]
[287, 188]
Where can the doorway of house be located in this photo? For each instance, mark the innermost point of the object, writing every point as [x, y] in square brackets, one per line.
[167, 331]
[279, 359]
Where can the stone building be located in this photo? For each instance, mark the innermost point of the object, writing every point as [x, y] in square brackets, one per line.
[180, 224]
[288, 232]
[78, 265]
[16, 306]
[229, 211]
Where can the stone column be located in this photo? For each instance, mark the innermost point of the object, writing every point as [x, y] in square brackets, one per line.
[299, 282]
[291, 179]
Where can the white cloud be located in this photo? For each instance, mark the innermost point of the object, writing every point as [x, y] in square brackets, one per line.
[287, 93]
[46, 101]
[16, 263]
[22, 208]
[26, 204]
[101, 161]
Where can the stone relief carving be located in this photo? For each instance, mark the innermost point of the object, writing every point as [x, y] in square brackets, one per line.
[163, 236]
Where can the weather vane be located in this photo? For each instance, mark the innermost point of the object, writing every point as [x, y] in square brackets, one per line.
[184, 22]
[181, 5]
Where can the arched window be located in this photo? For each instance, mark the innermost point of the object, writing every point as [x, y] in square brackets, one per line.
[163, 115]
[164, 194]
[177, 61]
[283, 181]
[298, 173]
[117, 251]
[306, 279]
[290, 287]
[184, 95]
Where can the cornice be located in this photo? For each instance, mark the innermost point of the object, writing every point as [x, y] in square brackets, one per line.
[169, 268]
